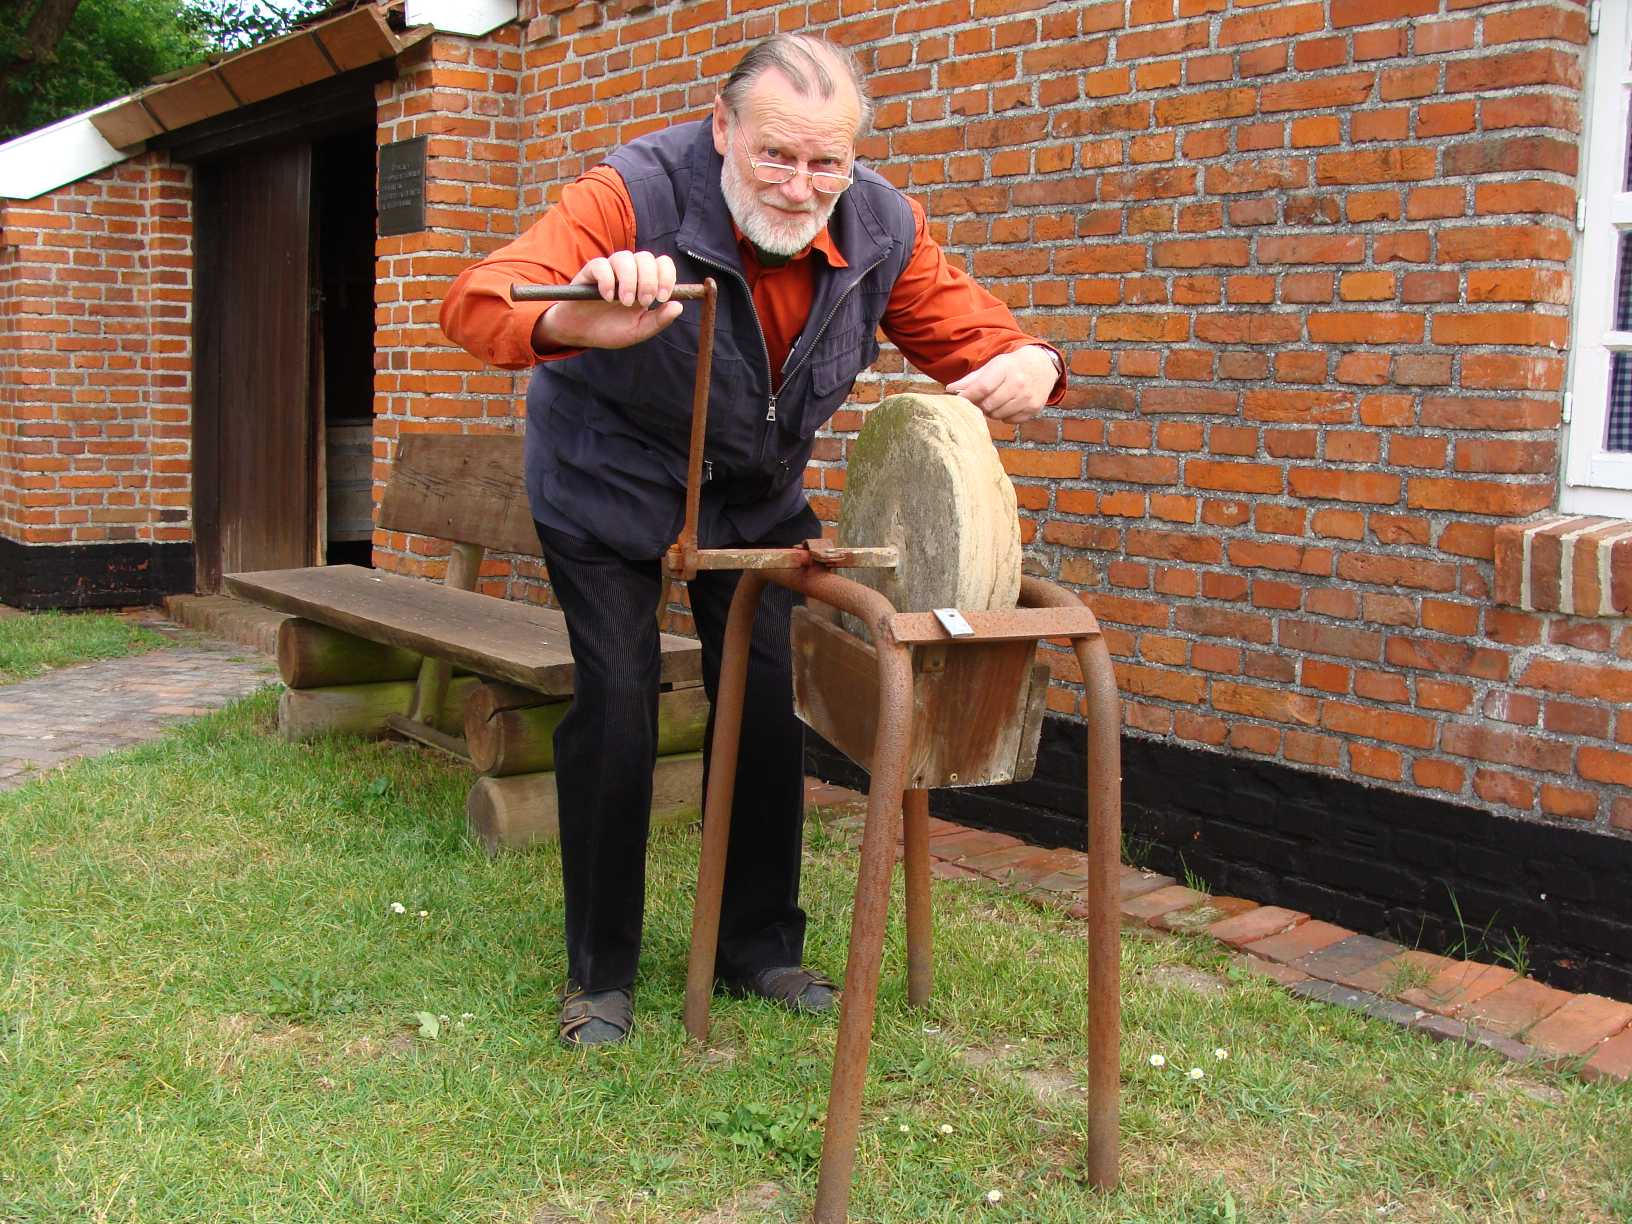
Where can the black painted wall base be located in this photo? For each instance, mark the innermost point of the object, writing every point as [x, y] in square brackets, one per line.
[39, 576]
[1430, 874]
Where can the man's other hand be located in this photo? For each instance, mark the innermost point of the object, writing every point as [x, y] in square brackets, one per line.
[1011, 386]
[631, 283]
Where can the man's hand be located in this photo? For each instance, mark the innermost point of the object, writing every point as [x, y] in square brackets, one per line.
[1011, 386]
[630, 283]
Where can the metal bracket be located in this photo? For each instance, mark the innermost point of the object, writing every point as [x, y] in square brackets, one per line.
[953, 622]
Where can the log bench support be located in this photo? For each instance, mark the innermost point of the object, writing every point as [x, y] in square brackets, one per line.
[483, 679]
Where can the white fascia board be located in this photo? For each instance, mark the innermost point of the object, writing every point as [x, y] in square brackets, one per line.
[50, 157]
[461, 16]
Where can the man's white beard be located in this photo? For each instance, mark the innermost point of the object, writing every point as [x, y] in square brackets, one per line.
[775, 235]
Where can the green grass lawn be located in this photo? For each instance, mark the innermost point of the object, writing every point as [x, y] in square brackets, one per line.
[37, 641]
[209, 1011]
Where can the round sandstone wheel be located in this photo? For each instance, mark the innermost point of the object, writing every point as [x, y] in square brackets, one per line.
[924, 476]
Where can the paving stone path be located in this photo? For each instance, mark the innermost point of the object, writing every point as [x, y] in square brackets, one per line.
[92, 708]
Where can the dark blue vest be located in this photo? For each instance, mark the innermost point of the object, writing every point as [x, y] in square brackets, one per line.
[608, 430]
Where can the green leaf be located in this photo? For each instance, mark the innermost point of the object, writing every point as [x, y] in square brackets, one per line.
[429, 1026]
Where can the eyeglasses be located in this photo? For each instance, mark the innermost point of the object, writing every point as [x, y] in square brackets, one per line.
[777, 173]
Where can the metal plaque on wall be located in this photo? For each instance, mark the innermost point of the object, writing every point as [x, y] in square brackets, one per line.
[402, 187]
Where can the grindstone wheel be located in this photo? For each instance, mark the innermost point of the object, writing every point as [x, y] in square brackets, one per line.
[924, 477]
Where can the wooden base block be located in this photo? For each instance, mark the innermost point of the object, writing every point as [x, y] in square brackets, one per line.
[362, 709]
[522, 811]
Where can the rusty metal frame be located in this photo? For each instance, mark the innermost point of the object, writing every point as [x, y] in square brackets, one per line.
[1046, 611]
[1053, 612]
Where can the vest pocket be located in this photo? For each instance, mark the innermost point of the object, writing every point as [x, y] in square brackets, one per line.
[840, 359]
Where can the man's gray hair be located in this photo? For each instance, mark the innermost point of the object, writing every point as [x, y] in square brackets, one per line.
[806, 60]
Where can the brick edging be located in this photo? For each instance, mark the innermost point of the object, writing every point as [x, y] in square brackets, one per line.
[1485, 1005]
[1577, 564]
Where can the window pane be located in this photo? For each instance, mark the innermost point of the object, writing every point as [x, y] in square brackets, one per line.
[1618, 426]
[1618, 432]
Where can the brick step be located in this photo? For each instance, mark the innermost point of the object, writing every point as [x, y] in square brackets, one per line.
[230, 619]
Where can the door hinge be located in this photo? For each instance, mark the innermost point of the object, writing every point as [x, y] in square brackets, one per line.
[1594, 11]
[1569, 406]
[1580, 215]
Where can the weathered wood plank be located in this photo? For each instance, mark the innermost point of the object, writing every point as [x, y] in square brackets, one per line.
[522, 643]
[972, 705]
[467, 488]
[421, 733]
[464, 567]
[910, 628]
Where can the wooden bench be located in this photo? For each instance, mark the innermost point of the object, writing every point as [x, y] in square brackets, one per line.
[482, 678]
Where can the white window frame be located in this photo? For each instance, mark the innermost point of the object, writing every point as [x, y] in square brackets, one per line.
[1595, 480]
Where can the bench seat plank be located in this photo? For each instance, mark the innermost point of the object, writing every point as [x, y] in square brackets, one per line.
[507, 640]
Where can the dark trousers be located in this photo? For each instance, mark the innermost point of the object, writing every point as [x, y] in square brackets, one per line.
[606, 746]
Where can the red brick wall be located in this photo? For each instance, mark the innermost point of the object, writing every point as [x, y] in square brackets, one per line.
[461, 95]
[9, 491]
[1310, 266]
[95, 300]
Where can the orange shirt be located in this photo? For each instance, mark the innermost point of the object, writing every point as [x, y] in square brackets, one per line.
[940, 319]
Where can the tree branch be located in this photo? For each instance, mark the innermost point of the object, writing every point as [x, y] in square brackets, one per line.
[45, 28]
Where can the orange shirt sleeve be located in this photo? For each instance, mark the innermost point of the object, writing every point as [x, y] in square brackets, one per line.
[593, 218]
[945, 323]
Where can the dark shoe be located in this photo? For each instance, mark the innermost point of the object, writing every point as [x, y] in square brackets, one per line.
[793, 987]
[595, 1017]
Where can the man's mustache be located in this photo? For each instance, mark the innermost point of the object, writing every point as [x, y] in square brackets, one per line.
[809, 206]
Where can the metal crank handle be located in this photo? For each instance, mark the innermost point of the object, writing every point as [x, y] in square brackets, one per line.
[522, 292]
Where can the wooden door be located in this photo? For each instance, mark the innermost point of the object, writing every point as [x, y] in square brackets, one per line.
[254, 456]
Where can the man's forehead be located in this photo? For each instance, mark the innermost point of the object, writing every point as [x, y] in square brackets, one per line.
[776, 108]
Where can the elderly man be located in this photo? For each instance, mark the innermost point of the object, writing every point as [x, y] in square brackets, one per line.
[813, 254]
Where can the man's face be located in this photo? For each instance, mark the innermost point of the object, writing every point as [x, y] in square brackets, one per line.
[778, 123]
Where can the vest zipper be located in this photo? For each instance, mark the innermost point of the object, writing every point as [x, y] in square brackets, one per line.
[837, 302]
[770, 412]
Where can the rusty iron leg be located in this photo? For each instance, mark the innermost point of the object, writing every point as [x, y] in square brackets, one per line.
[1104, 786]
[866, 935]
[722, 775]
[1104, 925]
[920, 925]
[884, 800]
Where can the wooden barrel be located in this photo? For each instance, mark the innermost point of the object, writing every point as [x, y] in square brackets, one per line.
[350, 473]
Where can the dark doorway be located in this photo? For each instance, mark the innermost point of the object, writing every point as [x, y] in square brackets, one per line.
[343, 214]
[284, 355]
[253, 447]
